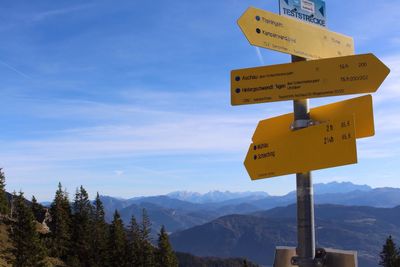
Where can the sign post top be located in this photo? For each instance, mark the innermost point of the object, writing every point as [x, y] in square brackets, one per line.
[312, 11]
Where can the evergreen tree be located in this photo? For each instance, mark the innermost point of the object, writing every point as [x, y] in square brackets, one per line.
[60, 225]
[134, 243]
[100, 234]
[37, 209]
[82, 228]
[27, 247]
[165, 255]
[4, 206]
[146, 255]
[390, 254]
[117, 242]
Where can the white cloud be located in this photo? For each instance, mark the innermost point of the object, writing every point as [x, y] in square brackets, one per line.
[131, 127]
[172, 133]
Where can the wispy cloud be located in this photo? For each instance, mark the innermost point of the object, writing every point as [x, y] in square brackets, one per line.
[14, 69]
[141, 106]
[259, 55]
[192, 135]
[128, 130]
[57, 12]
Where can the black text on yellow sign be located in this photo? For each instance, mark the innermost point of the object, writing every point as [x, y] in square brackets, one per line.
[360, 107]
[308, 79]
[272, 31]
[322, 146]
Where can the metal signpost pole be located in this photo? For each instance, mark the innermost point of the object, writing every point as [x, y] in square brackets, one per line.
[305, 220]
[305, 198]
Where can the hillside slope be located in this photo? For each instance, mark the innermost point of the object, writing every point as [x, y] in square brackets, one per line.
[255, 236]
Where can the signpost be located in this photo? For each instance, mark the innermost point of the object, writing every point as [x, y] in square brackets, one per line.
[360, 107]
[308, 79]
[306, 140]
[326, 145]
[269, 30]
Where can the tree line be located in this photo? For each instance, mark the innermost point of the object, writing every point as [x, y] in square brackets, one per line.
[79, 235]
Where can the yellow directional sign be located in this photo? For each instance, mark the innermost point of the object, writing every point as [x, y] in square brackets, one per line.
[322, 146]
[269, 30]
[360, 107]
[308, 79]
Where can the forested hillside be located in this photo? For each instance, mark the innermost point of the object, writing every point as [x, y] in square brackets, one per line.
[76, 234]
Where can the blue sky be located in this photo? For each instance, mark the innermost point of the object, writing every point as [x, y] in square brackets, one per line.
[132, 98]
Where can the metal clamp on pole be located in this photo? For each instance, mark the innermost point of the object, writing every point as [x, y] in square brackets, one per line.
[321, 255]
[299, 124]
[307, 262]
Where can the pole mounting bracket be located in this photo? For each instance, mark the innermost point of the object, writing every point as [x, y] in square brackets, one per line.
[318, 261]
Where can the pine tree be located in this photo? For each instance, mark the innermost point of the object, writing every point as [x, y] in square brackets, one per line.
[60, 225]
[37, 209]
[146, 255]
[4, 205]
[117, 244]
[134, 243]
[165, 255]
[27, 247]
[100, 234]
[82, 228]
[390, 254]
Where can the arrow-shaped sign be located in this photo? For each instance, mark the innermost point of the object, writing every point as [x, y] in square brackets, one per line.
[322, 146]
[360, 107]
[269, 30]
[308, 79]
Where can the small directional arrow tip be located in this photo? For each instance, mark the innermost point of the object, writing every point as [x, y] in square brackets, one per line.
[322, 11]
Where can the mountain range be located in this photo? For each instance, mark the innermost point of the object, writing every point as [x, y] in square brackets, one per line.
[256, 235]
[178, 214]
[214, 196]
[252, 224]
